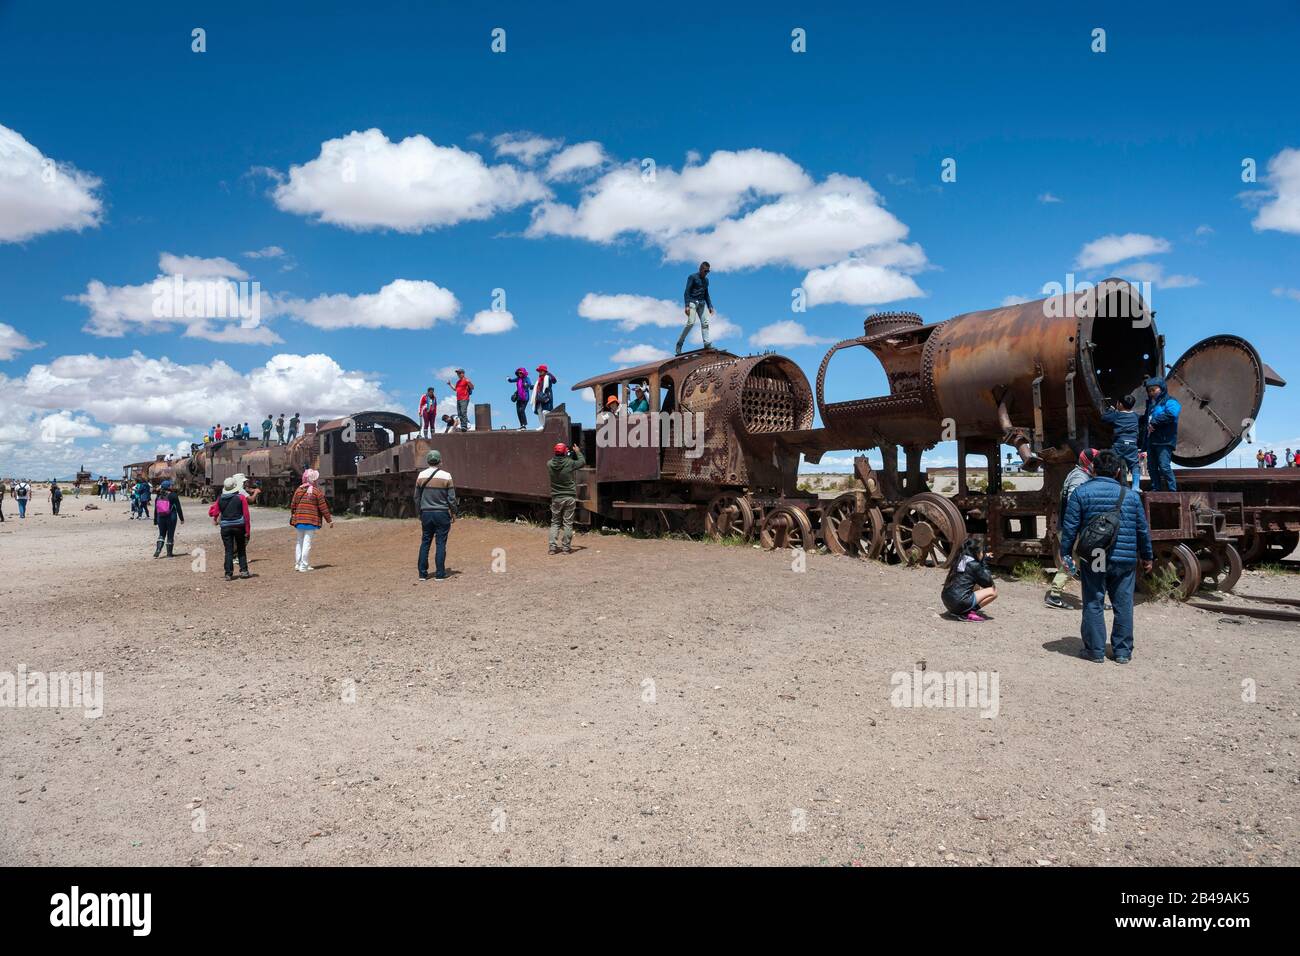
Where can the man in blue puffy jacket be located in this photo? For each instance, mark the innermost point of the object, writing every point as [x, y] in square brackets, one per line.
[1113, 573]
[1161, 434]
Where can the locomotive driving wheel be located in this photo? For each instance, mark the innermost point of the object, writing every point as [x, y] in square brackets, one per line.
[1220, 567]
[651, 522]
[837, 520]
[786, 526]
[1186, 568]
[927, 529]
[729, 514]
[1253, 546]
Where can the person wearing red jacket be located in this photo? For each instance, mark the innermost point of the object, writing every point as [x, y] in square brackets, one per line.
[464, 389]
[428, 413]
[230, 512]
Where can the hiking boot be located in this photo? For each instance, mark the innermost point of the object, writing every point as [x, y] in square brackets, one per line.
[169, 551]
[1054, 599]
[553, 550]
[244, 574]
[158, 550]
[230, 577]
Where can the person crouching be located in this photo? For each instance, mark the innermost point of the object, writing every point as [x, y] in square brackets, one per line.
[969, 585]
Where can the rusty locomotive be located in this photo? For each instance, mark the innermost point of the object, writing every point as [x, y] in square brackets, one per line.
[1035, 377]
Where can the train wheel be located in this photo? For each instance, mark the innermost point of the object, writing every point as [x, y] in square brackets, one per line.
[835, 519]
[1283, 543]
[927, 529]
[650, 522]
[1254, 547]
[1186, 568]
[786, 526]
[1220, 567]
[729, 514]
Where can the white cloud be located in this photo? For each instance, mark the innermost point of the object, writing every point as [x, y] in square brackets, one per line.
[64, 426]
[363, 181]
[269, 252]
[12, 342]
[1154, 273]
[575, 159]
[1013, 300]
[625, 201]
[638, 355]
[1287, 293]
[1204, 230]
[858, 282]
[527, 148]
[196, 267]
[1049, 198]
[402, 304]
[211, 300]
[634, 311]
[1113, 248]
[129, 434]
[490, 322]
[1282, 210]
[39, 194]
[784, 335]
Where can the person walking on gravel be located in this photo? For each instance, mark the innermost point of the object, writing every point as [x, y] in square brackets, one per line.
[307, 512]
[230, 513]
[435, 497]
[166, 513]
[563, 465]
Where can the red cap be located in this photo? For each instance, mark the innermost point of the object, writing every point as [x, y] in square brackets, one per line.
[541, 368]
[1087, 457]
[561, 448]
[612, 400]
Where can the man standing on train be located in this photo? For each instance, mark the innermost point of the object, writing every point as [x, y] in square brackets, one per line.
[464, 389]
[1161, 434]
[697, 300]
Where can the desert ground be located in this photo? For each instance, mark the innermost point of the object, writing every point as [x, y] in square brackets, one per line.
[638, 702]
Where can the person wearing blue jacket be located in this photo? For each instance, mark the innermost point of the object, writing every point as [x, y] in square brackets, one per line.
[1114, 573]
[1161, 434]
[1123, 422]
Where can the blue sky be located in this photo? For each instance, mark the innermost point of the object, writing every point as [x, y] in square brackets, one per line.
[396, 162]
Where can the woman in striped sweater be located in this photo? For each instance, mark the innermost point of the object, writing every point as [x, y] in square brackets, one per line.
[307, 512]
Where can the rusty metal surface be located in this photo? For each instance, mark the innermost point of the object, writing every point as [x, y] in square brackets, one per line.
[1219, 382]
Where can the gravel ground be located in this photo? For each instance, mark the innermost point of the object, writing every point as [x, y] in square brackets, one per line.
[641, 701]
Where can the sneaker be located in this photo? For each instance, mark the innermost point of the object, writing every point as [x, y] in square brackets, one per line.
[1054, 599]
[1122, 660]
[566, 551]
[1088, 657]
[306, 567]
[244, 574]
[554, 550]
[440, 577]
[974, 617]
[424, 577]
[230, 577]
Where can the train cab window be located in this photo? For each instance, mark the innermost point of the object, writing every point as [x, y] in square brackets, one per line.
[667, 396]
[326, 446]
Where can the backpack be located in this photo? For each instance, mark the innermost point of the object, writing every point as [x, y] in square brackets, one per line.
[1102, 531]
[162, 506]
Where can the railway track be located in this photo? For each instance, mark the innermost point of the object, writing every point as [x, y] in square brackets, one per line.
[1264, 608]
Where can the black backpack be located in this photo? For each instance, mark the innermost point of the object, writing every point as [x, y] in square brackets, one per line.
[1102, 531]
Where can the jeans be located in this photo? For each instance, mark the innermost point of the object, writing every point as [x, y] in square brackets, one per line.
[266, 437]
[562, 509]
[1117, 581]
[462, 412]
[235, 542]
[1160, 461]
[302, 547]
[694, 311]
[22, 507]
[54, 504]
[436, 524]
[1129, 453]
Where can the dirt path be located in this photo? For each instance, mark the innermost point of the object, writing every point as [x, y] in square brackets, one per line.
[638, 702]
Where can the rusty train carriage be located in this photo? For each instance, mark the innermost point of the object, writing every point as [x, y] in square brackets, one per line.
[1034, 376]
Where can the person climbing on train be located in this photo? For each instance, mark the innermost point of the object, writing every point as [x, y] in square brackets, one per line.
[1260, 462]
[267, 425]
[293, 426]
[1161, 433]
[1110, 528]
[166, 513]
[543, 396]
[217, 432]
[1081, 472]
[563, 466]
[448, 423]
[641, 403]
[464, 389]
[230, 513]
[697, 300]
[307, 512]
[435, 498]
[279, 429]
[428, 412]
[969, 586]
[1123, 422]
[522, 393]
